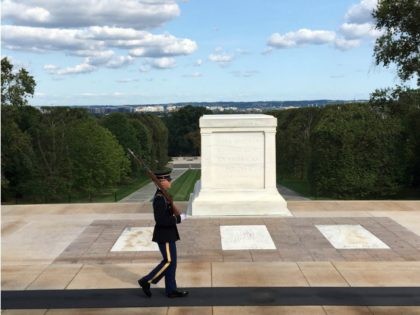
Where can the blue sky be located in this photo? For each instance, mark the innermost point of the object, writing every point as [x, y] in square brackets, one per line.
[164, 51]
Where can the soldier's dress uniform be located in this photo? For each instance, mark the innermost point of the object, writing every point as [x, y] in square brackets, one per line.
[165, 234]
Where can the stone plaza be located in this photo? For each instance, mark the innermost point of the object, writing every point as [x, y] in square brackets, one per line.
[70, 247]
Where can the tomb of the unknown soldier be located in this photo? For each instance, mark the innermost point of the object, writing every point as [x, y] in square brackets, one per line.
[238, 167]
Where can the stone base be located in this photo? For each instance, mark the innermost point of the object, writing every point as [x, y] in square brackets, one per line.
[236, 202]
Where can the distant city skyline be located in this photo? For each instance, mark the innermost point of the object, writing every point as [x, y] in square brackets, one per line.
[151, 52]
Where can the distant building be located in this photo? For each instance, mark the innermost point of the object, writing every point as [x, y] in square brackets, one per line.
[144, 109]
[172, 108]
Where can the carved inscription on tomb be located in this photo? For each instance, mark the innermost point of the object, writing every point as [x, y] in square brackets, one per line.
[237, 160]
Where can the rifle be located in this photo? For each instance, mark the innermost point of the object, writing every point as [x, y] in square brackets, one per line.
[156, 181]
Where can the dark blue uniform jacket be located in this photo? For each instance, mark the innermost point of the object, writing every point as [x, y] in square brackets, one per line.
[165, 227]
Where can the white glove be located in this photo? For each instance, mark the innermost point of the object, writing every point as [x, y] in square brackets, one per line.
[183, 216]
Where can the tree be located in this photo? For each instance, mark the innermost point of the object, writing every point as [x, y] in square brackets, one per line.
[184, 130]
[144, 138]
[159, 137]
[357, 152]
[294, 128]
[399, 19]
[97, 160]
[52, 163]
[123, 130]
[17, 156]
[16, 87]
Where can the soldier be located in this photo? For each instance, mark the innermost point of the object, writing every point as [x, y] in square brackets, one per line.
[165, 234]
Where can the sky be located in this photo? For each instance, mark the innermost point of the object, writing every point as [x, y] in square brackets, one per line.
[118, 52]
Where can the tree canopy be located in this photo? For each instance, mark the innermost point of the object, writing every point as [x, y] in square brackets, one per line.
[184, 130]
[16, 87]
[400, 42]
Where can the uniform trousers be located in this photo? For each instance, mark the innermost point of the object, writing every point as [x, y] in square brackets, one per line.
[166, 268]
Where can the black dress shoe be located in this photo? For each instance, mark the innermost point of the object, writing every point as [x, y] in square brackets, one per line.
[146, 287]
[177, 293]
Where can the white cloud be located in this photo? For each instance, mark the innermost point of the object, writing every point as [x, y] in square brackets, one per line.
[362, 12]
[25, 13]
[95, 45]
[346, 44]
[198, 62]
[221, 57]
[119, 61]
[160, 46]
[354, 31]
[45, 39]
[140, 14]
[88, 41]
[358, 25]
[301, 37]
[163, 63]
[78, 69]
[359, 22]
[93, 29]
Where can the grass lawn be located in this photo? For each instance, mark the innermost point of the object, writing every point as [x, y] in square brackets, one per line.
[184, 185]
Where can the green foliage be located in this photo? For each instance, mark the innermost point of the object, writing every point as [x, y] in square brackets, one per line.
[17, 155]
[184, 131]
[144, 139]
[97, 160]
[159, 138]
[357, 153]
[294, 128]
[16, 87]
[403, 102]
[52, 162]
[353, 150]
[399, 19]
[51, 155]
[121, 127]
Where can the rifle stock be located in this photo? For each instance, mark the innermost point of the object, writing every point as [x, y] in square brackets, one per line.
[156, 181]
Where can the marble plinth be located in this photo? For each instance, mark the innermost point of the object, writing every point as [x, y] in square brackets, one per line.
[238, 167]
[350, 237]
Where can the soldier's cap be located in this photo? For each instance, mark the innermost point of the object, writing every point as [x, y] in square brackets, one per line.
[163, 174]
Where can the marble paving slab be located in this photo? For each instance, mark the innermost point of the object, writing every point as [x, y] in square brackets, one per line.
[135, 239]
[243, 237]
[348, 236]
